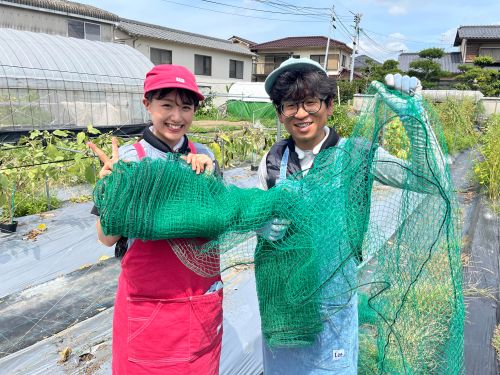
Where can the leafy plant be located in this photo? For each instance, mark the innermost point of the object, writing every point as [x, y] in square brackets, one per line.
[35, 204]
[342, 119]
[396, 141]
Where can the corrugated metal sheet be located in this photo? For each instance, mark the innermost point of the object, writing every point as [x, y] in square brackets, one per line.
[159, 32]
[449, 62]
[69, 7]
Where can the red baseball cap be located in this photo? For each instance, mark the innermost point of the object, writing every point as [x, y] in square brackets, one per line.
[171, 76]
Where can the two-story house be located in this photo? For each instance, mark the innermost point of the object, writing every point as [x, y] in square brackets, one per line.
[216, 62]
[272, 54]
[478, 41]
[58, 17]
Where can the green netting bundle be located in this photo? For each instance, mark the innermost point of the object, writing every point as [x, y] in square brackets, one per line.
[395, 245]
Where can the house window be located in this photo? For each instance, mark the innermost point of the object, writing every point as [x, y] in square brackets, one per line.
[494, 52]
[273, 61]
[236, 69]
[84, 30]
[203, 65]
[320, 59]
[160, 56]
[343, 61]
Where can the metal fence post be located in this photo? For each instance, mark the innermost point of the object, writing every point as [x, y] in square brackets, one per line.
[47, 192]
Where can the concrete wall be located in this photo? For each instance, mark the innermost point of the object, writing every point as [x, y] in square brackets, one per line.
[49, 22]
[491, 105]
[184, 55]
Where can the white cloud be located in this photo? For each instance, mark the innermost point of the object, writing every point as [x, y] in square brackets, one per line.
[397, 10]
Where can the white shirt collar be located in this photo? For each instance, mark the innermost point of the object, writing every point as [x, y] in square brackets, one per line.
[177, 146]
[315, 151]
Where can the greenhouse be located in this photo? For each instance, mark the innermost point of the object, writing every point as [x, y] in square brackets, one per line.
[56, 82]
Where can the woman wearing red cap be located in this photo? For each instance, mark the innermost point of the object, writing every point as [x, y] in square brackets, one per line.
[167, 319]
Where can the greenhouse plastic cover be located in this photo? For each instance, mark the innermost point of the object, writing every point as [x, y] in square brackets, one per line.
[248, 92]
[62, 63]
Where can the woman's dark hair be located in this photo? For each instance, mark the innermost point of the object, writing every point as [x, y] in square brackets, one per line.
[298, 85]
[187, 97]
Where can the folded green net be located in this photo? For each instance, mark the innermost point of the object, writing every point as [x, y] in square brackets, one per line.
[363, 222]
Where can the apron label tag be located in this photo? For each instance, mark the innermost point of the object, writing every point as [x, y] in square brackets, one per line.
[338, 354]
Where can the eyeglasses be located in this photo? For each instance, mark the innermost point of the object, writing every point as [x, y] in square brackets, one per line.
[310, 105]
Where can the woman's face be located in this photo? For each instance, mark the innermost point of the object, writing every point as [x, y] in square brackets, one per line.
[171, 117]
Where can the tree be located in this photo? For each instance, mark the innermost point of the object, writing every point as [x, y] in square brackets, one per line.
[377, 72]
[482, 61]
[476, 77]
[425, 68]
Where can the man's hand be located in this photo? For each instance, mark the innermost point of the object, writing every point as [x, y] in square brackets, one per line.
[406, 84]
[274, 229]
[107, 162]
[199, 162]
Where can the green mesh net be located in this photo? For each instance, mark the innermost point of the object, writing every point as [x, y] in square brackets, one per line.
[380, 226]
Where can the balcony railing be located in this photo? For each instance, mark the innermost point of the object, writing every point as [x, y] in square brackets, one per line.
[263, 68]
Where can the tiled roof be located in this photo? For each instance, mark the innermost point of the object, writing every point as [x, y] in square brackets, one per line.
[249, 42]
[477, 32]
[449, 62]
[159, 32]
[361, 60]
[300, 42]
[68, 7]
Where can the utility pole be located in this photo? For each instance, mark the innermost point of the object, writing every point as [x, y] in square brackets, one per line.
[355, 41]
[330, 30]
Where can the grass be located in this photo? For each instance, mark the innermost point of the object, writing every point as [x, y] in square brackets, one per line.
[487, 170]
[458, 119]
[496, 341]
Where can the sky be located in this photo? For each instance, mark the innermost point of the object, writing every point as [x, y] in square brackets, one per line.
[388, 27]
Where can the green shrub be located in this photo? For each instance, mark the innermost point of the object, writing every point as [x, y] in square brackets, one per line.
[487, 171]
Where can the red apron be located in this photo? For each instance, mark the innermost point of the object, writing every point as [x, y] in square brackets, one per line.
[163, 321]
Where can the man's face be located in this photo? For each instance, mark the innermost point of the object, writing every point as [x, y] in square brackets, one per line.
[305, 128]
[171, 118]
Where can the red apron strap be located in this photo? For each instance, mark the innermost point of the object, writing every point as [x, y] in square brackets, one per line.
[192, 147]
[140, 150]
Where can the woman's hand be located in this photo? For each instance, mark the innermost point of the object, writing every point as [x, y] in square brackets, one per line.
[199, 162]
[107, 162]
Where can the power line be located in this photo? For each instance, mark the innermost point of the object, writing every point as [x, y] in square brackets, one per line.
[377, 44]
[294, 10]
[237, 15]
[282, 3]
[253, 9]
